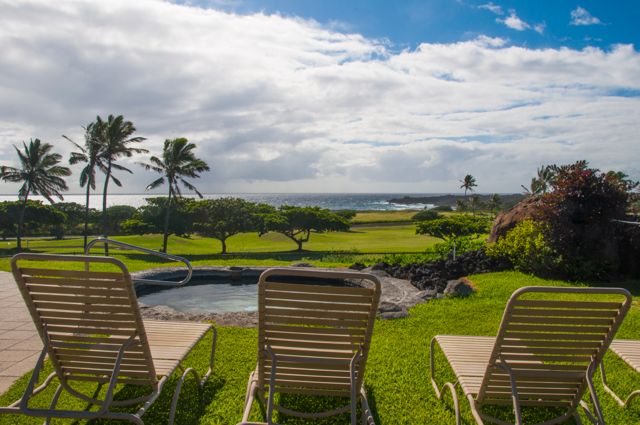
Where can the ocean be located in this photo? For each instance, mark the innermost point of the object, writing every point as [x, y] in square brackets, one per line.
[332, 201]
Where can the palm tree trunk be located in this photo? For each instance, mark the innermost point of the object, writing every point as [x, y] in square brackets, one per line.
[20, 222]
[165, 235]
[104, 208]
[86, 213]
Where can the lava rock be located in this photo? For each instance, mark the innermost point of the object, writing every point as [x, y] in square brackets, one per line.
[458, 288]
[357, 266]
[435, 275]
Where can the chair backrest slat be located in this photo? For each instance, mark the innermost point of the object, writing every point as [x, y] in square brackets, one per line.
[550, 341]
[85, 316]
[314, 321]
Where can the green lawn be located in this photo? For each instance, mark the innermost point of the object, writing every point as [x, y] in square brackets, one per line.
[383, 216]
[397, 373]
[250, 249]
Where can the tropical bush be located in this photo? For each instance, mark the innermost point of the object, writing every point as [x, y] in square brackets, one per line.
[452, 229]
[426, 215]
[38, 219]
[346, 214]
[527, 248]
[442, 208]
[463, 244]
[580, 214]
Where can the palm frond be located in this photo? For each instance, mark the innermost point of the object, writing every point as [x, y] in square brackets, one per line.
[155, 183]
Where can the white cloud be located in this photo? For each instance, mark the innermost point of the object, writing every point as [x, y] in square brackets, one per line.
[539, 28]
[581, 16]
[514, 22]
[283, 104]
[493, 8]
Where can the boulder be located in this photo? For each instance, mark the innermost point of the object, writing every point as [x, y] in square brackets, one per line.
[508, 219]
[459, 288]
[375, 271]
[389, 310]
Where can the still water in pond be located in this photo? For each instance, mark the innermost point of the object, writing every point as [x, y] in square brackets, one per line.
[217, 297]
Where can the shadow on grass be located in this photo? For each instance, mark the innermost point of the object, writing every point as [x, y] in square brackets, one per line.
[192, 403]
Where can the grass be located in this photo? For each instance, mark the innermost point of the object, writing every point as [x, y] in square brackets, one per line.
[250, 250]
[403, 216]
[397, 373]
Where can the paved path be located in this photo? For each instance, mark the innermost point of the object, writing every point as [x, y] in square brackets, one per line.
[20, 344]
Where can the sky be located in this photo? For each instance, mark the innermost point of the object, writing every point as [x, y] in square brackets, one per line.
[331, 96]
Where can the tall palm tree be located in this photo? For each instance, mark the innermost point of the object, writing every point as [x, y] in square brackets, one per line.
[178, 161]
[39, 174]
[90, 154]
[543, 180]
[468, 183]
[545, 177]
[115, 140]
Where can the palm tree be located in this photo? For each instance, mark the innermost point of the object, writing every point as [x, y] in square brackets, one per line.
[545, 177]
[178, 161]
[543, 180]
[494, 203]
[39, 174]
[90, 154]
[115, 140]
[468, 183]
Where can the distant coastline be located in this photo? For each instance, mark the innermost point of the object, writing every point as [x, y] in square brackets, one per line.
[451, 200]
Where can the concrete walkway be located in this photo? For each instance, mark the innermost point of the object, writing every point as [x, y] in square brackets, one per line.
[20, 344]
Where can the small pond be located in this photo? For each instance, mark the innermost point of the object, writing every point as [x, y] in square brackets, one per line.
[204, 295]
[211, 290]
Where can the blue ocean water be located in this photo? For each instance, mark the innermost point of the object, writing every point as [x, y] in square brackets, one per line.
[332, 201]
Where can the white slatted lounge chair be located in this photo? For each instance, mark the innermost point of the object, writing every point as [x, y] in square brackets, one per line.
[92, 331]
[545, 354]
[629, 351]
[313, 339]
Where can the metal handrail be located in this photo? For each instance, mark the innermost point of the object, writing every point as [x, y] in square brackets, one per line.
[183, 282]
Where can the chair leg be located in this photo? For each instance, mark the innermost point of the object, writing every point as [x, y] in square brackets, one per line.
[597, 418]
[367, 416]
[54, 401]
[615, 396]
[176, 393]
[449, 385]
[249, 397]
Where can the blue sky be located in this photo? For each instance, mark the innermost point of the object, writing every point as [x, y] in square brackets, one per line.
[406, 24]
[332, 96]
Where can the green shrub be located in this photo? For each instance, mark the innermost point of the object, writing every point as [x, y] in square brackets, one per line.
[442, 208]
[526, 247]
[426, 215]
[462, 244]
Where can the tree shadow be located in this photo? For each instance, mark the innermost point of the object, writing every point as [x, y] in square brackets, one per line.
[273, 255]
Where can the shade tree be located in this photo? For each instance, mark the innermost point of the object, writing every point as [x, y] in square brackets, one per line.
[451, 228]
[225, 217]
[297, 223]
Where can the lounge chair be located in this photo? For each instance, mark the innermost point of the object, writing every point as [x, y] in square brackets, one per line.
[92, 331]
[313, 339]
[547, 349]
[629, 351]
